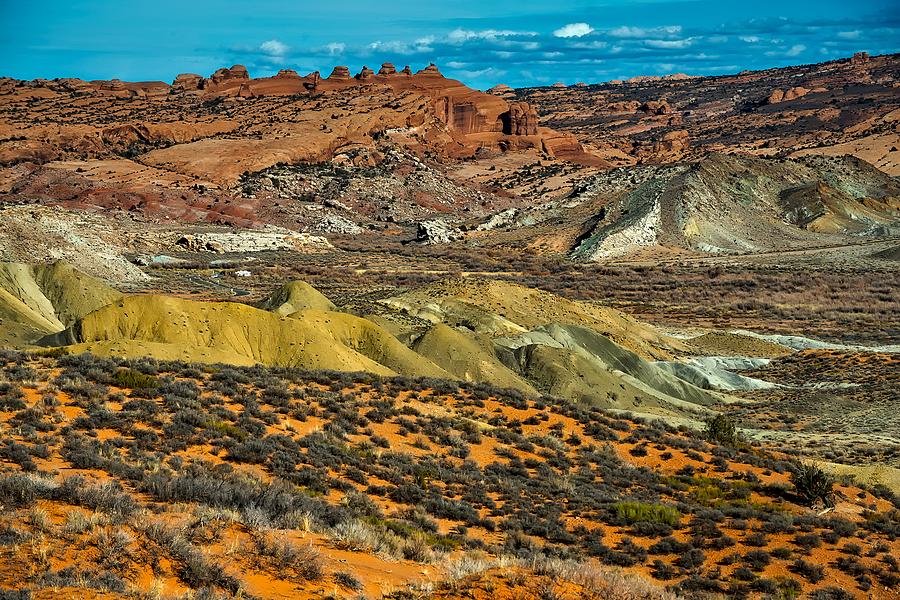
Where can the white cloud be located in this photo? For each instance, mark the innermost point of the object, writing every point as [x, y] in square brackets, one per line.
[589, 45]
[274, 48]
[793, 51]
[459, 35]
[641, 32]
[335, 48]
[573, 30]
[418, 46]
[480, 73]
[667, 43]
[849, 35]
[750, 39]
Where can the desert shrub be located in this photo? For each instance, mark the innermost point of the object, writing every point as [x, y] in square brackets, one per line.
[192, 565]
[112, 545]
[698, 585]
[348, 580]
[691, 559]
[721, 429]
[639, 450]
[830, 593]
[812, 484]
[764, 586]
[663, 571]
[782, 553]
[669, 545]
[757, 540]
[636, 512]
[850, 565]
[779, 523]
[651, 529]
[10, 535]
[757, 560]
[131, 379]
[108, 497]
[788, 587]
[300, 562]
[842, 527]
[851, 548]
[807, 541]
[72, 577]
[811, 572]
[360, 536]
[18, 490]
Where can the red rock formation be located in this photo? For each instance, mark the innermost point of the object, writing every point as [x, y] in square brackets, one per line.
[860, 58]
[625, 106]
[522, 119]
[235, 72]
[365, 74]
[188, 82]
[500, 89]
[784, 96]
[406, 70]
[74, 85]
[471, 119]
[795, 92]
[430, 70]
[656, 107]
[340, 73]
[674, 141]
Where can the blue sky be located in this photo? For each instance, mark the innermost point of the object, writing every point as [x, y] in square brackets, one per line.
[482, 42]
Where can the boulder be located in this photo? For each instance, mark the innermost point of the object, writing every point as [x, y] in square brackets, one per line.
[674, 141]
[775, 97]
[795, 92]
[784, 96]
[437, 231]
[626, 106]
[333, 223]
[656, 107]
[387, 69]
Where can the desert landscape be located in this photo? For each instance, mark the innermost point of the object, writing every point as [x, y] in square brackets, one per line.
[378, 333]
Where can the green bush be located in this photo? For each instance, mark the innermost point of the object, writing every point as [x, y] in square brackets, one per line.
[812, 484]
[637, 512]
[129, 378]
[721, 429]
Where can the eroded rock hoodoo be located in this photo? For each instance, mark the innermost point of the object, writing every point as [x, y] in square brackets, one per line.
[340, 73]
